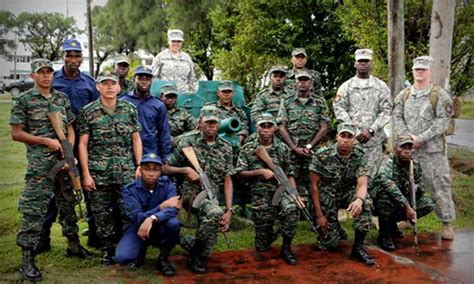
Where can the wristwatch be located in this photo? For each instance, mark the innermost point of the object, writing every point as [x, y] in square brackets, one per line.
[230, 209]
[371, 131]
[309, 146]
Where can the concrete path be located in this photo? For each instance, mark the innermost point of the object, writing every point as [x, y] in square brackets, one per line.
[463, 134]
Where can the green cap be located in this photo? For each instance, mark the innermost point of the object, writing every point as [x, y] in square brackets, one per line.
[302, 73]
[402, 140]
[422, 62]
[363, 54]
[346, 127]
[209, 113]
[37, 64]
[298, 51]
[122, 58]
[264, 118]
[169, 90]
[225, 85]
[107, 75]
[278, 68]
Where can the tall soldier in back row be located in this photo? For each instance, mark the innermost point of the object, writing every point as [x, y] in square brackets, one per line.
[31, 125]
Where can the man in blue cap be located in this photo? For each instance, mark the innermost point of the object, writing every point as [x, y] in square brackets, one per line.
[152, 114]
[151, 205]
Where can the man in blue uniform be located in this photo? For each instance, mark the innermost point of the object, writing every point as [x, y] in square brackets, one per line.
[152, 205]
[152, 114]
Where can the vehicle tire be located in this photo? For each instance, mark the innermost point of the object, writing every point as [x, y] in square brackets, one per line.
[15, 92]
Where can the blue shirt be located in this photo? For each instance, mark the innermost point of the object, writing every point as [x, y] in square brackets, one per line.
[81, 90]
[153, 117]
[140, 203]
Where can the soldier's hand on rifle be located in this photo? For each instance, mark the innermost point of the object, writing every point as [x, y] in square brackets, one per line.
[322, 223]
[225, 221]
[54, 145]
[300, 151]
[88, 183]
[301, 201]
[355, 208]
[172, 202]
[192, 174]
[145, 227]
[410, 214]
[266, 174]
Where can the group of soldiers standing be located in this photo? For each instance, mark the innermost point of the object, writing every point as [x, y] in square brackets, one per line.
[132, 147]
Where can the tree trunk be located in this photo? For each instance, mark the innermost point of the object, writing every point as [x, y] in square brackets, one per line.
[396, 46]
[441, 40]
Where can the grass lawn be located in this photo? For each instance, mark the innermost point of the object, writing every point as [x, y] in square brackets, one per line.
[467, 109]
[57, 268]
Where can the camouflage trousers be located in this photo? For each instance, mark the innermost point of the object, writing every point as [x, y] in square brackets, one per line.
[34, 204]
[333, 200]
[437, 179]
[388, 209]
[300, 166]
[264, 216]
[373, 155]
[108, 211]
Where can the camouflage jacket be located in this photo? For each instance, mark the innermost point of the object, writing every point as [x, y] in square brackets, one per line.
[216, 159]
[30, 111]
[236, 112]
[365, 103]
[338, 173]
[268, 100]
[303, 120]
[248, 161]
[416, 116]
[179, 69]
[110, 141]
[315, 77]
[126, 86]
[393, 179]
[180, 121]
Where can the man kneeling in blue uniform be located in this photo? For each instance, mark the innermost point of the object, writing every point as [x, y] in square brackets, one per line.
[151, 204]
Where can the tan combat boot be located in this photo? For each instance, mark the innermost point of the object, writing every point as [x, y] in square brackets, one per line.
[447, 232]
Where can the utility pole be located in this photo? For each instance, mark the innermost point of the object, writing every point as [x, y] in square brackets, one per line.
[91, 44]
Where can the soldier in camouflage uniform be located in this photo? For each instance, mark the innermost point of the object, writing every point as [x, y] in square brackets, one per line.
[31, 125]
[172, 64]
[180, 120]
[109, 130]
[264, 185]
[214, 155]
[425, 117]
[269, 99]
[365, 101]
[339, 181]
[391, 193]
[303, 121]
[299, 58]
[122, 67]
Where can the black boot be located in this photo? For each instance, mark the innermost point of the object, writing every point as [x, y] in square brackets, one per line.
[43, 246]
[75, 249]
[384, 240]
[108, 253]
[358, 251]
[286, 252]
[395, 232]
[164, 265]
[28, 269]
[195, 261]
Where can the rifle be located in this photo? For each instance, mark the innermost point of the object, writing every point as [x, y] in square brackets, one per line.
[69, 159]
[208, 191]
[413, 188]
[285, 185]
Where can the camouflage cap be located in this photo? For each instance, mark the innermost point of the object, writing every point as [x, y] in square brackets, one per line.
[175, 35]
[122, 58]
[363, 54]
[402, 140]
[346, 127]
[142, 70]
[278, 68]
[302, 73]
[169, 90]
[422, 62]
[37, 64]
[265, 118]
[225, 85]
[298, 51]
[209, 113]
[107, 75]
[72, 44]
[151, 158]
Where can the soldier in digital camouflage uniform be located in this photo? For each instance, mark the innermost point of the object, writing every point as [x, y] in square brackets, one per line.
[339, 181]
[30, 124]
[173, 64]
[425, 116]
[299, 58]
[391, 193]
[365, 101]
[109, 133]
[268, 100]
[214, 155]
[122, 67]
[303, 121]
[180, 120]
[264, 185]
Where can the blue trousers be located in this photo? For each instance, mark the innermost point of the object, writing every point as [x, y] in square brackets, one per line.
[132, 248]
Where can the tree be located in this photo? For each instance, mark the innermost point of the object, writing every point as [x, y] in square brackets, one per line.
[6, 23]
[44, 33]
